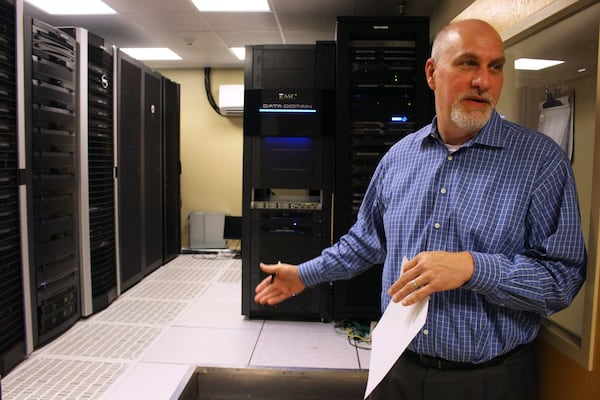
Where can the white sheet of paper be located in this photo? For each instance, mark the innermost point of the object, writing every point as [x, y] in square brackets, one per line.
[395, 330]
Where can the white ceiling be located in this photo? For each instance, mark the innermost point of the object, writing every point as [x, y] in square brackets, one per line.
[204, 39]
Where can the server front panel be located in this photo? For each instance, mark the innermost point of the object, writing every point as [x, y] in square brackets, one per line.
[52, 179]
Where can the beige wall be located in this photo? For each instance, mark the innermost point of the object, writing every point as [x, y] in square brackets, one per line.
[211, 147]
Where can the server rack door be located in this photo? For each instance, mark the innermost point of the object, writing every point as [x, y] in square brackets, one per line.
[152, 201]
[129, 170]
[172, 170]
[12, 319]
[52, 179]
[381, 96]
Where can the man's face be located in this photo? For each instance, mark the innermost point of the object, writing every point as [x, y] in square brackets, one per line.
[467, 79]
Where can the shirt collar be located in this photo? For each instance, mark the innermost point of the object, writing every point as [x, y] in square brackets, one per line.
[490, 135]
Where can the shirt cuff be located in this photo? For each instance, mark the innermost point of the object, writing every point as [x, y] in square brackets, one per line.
[487, 274]
[309, 272]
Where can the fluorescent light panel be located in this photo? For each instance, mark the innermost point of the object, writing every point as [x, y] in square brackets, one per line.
[240, 52]
[151, 53]
[72, 7]
[535, 64]
[232, 5]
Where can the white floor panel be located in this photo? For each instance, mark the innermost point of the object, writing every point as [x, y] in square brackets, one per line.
[223, 293]
[216, 314]
[203, 346]
[305, 345]
[149, 381]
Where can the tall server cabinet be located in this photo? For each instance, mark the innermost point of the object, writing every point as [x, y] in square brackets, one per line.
[382, 96]
[172, 170]
[12, 319]
[51, 138]
[287, 182]
[96, 162]
[139, 167]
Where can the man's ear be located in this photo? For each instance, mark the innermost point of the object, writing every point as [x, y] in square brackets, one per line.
[429, 73]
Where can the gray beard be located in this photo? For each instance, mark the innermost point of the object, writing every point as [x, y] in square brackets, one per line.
[470, 122]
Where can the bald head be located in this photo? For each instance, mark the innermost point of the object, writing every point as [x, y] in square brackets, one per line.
[454, 32]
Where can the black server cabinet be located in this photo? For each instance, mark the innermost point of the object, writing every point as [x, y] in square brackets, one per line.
[172, 170]
[139, 166]
[12, 318]
[97, 181]
[51, 138]
[288, 165]
[381, 96]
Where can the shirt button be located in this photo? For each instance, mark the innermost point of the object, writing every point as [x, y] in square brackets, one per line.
[443, 191]
[450, 158]
[425, 331]
[437, 225]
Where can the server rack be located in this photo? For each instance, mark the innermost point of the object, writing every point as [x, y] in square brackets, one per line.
[287, 182]
[51, 137]
[139, 167]
[12, 318]
[381, 96]
[172, 170]
[96, 167]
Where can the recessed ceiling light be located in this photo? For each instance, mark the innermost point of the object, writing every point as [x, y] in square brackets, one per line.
[232, 5]
[535, 64]
[240, 52]
[151, 53]
[72, 7]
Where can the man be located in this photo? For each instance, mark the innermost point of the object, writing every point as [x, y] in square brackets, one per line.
[487, 213]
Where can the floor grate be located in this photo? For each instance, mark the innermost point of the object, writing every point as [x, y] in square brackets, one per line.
[184, 274]
[195, 261]
[142, 311]
[48, 379]
[165, 290]
[231, 276]
[102, 340]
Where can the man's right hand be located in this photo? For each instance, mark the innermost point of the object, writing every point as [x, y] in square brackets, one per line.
[282, 283]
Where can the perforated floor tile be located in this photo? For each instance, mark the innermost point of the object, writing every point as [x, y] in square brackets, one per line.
[199, 261]
[48, 379]
[231, 276]
[165, 290]
[103, 340]
[184, 274]
[142, 311]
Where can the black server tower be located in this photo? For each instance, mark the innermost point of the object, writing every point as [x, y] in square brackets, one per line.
[96, 161]
[139, 167]
[12, 319]
[51, 138]
[382, 96]
[288, 165]
[172, 170]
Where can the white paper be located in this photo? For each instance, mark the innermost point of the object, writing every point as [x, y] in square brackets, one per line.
[395, 330]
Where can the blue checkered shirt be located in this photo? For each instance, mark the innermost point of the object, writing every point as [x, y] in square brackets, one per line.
[508, 196]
